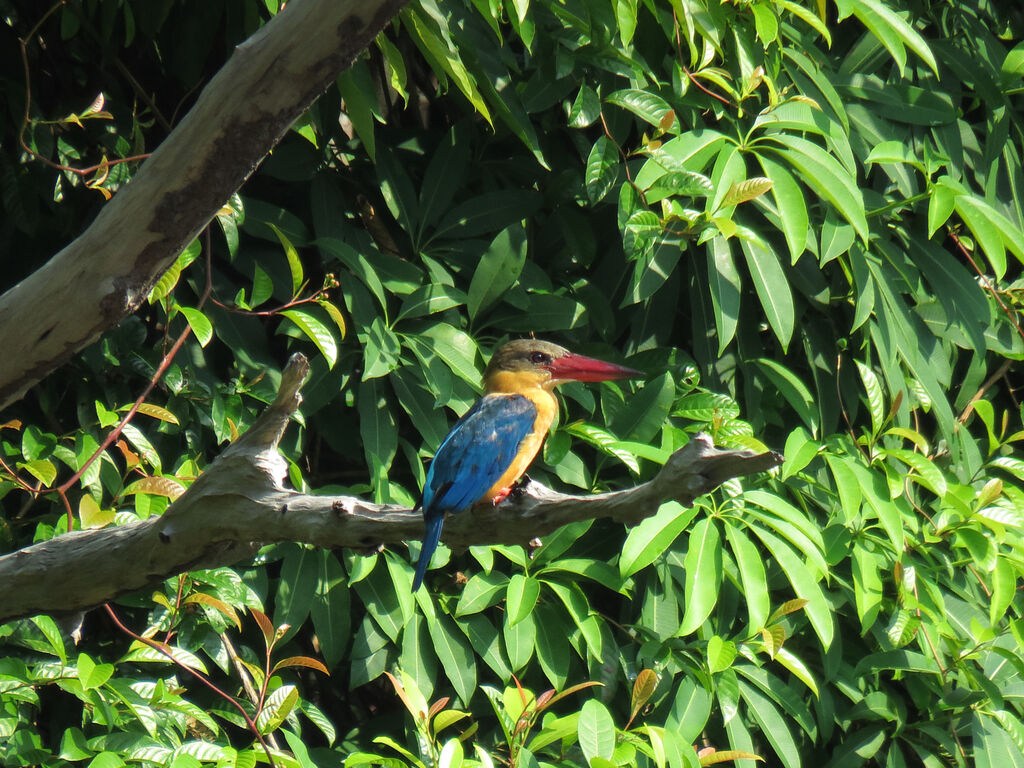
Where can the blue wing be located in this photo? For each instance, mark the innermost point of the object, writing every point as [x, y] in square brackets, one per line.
[471, 459]
[477, 452]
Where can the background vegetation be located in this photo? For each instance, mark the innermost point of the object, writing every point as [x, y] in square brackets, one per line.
[802, 220]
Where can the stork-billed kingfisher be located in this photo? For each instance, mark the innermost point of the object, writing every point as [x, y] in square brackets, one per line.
[490, 447]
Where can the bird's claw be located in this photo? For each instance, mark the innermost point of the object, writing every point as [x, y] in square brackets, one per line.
[518, 488]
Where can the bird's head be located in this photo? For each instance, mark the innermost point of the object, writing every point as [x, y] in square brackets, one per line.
[526, 363]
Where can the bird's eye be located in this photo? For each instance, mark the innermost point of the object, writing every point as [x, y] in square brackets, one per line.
[539, 358]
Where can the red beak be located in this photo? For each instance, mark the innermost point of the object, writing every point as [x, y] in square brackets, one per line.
[580, 368]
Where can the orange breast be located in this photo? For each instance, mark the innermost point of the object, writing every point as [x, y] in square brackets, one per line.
[547, 408]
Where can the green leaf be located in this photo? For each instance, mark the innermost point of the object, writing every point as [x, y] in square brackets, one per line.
[684, 183]
[381, 349]
[786, 658]
[169, 279]
[746, 190]
[772, 287]
[793, 390]
[300, 572]
[456, 348]
[752, 575]
[885, 23]
[596, 730]
[792, 208]
[357, 106]
[602, 169]
[277, 707]
[804, 585]
[486, 213]
[91, 674]
[586, 107]
[826, 177]
[941, 203]
[455, 654]
[772, 725]
[720, 654]
[521, 597]
[645, 413]
[199, 323]
[1004, 587]
[262, 286]
[520, 640]
[876, 398]
[725, 284]
[481, 591]
[42, 470]
[294, 264]
[315, 331]
[647, 106]
[647, 541]
[498, 269]
[430, 299]
[703, 564]
[606, 442]
[430, 28]
[552, 648]
[330, 610]
[377, 592]
[53, 635]
[486, 643]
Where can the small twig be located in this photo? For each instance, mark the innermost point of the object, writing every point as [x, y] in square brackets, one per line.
[27, 119]
[842, 410]
[154, 379]
[176, 610]
[1000, 372]
[247, 682]
[16, 478]
[160, 647]
[270, 312]
[622, 154]
[988, 284]
[711, 93]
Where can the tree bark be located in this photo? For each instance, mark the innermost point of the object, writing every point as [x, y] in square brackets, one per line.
[240, 502]
[242, 113]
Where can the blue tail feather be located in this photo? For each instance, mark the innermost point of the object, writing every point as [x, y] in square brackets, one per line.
[430, 539]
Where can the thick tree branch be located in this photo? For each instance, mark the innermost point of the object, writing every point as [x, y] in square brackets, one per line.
[241, 114]
[240, 502]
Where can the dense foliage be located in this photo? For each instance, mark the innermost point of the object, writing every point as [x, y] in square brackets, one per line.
[805, 222]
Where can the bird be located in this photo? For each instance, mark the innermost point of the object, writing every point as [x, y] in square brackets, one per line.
[491, 446]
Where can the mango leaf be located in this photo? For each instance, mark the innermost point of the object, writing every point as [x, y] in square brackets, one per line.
[292, 256]
[602, 169]
[596, 730]
[586, 107]
[199, 323]
[794, 390]
[649, 540]
[498, 269]
[521, 597]
[773, 288]
[315, 331]
[826, 177]
[745, 191]
[649, 107]
[703, 564]
[893, 31]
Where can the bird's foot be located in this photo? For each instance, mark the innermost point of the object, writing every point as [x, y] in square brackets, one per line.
[517, 489]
